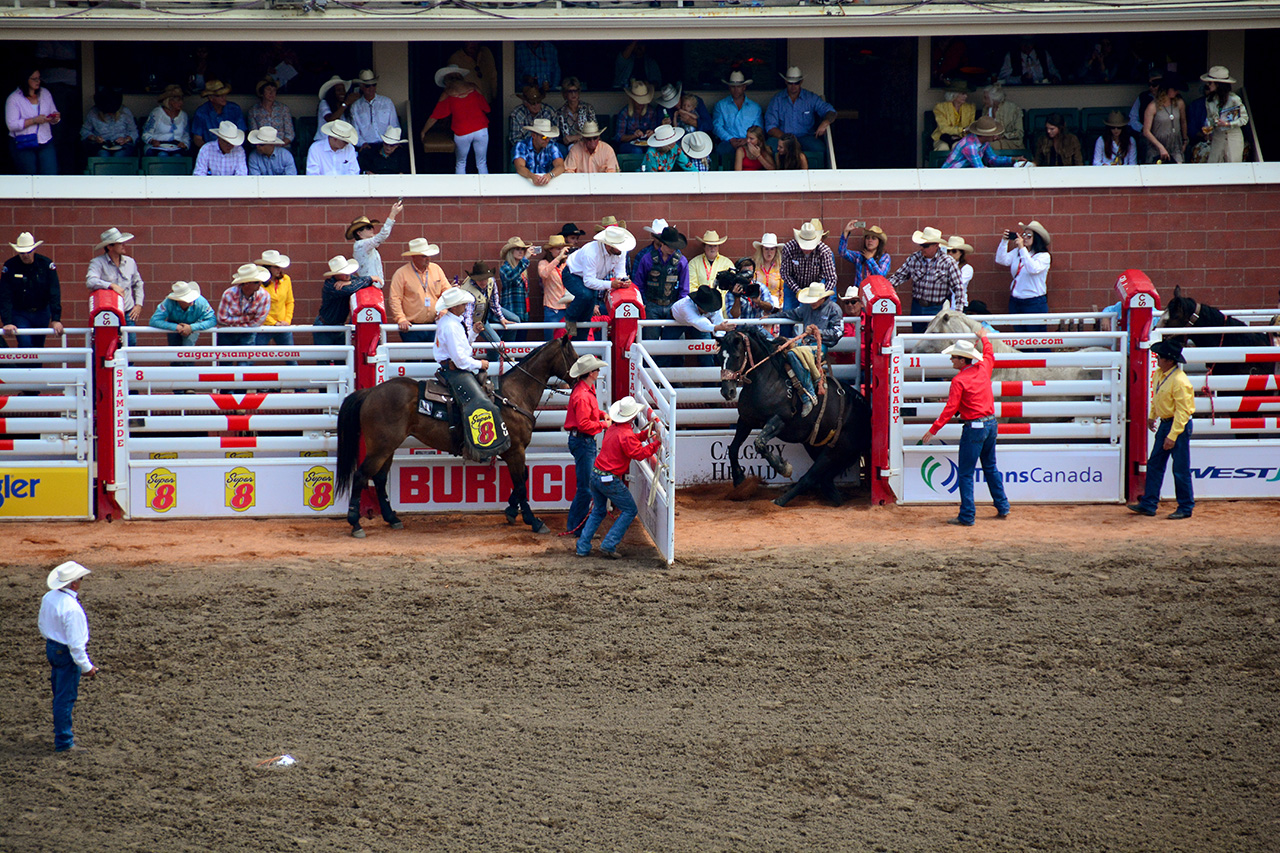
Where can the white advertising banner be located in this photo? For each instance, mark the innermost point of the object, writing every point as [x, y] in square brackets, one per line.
[1230, 471]
[238, 487]
[1031, 475]
[429, 481]
[704, 458]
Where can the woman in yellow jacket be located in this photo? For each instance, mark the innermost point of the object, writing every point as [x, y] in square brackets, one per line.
[1172, 405]
[280, 288]
[953, 114]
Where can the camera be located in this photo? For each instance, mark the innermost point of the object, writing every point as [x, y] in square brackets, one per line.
[729, 279]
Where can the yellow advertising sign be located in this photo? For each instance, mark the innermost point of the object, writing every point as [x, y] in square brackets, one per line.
[317, 488]
[240, 489]
[239, 454]
[44, 492]
[483, 430]
[162, 490]
[168, 455]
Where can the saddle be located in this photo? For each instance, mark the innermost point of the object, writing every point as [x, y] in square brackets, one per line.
[476, 430]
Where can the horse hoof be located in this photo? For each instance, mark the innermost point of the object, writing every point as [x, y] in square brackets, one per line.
[397, 525]
[785, 470]
[511, 517]
[357, 533]
[782, 501]
[542, 529]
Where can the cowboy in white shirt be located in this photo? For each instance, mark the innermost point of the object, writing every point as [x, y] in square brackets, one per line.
[65, 630]
[592, 271]
[335, 153]
[453, 339]
[372, 113]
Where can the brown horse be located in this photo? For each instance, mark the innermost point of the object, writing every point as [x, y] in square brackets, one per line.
[387, 414]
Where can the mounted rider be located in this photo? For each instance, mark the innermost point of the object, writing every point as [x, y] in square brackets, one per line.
[823, 320]
[484, 433]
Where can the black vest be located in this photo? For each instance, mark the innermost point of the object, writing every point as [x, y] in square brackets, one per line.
[662, 282]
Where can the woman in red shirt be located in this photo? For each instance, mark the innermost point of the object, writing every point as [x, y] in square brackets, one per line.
[609, 477]
[469, 114]
[583, 421]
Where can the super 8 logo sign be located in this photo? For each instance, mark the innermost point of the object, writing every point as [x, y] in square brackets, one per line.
[463, 486]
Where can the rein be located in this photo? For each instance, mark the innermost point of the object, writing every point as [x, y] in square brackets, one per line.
[740, 375]
[505, 401]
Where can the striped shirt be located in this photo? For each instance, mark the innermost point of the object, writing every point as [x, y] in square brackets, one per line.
[234, 309]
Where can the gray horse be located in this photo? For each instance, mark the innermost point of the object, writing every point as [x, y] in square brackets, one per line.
[951, 322]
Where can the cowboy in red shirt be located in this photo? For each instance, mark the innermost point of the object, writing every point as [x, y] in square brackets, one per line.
[971, 397]
[583, 421]
[609, 476]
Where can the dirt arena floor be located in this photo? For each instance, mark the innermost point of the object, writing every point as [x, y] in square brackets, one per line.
[809, 679]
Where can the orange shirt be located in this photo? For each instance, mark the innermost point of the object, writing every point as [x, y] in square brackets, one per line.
[412, 295]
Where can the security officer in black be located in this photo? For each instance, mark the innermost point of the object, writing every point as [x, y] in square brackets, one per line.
[663, 278]
[30, 295]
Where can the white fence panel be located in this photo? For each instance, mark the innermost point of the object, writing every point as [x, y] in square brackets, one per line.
[653, 482]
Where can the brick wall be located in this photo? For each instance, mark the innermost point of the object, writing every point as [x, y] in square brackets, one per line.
[1218, 243]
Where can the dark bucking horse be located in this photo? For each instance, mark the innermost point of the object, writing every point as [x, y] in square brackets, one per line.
[387, 414]
[836, 434]
[1184, 312]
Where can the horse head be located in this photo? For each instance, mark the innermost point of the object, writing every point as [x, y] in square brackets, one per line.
[946, 322]
[735, 353]
[567, 356]
[1183, 311]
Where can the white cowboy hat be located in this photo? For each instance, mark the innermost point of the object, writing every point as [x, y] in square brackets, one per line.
[657, 227]
[584, 365]
[455, 296]
[1218, 74]
[26, 243]
[697, 144]
[964, 349]
[446, 71]
[808, 235]
[618, 237]
[330, 83]
[184, 291]
[112, 236]
[339, 265]
[793, 75]
[228, 131]
[366, 76]
[265, 135]
[769, 240]
[71, 571]
[813, 293]
[711, 237]
[591, 130]
[393, 136]
[543, 127]
[1039, 229]
[272, 258]
[955, 242]
[420, 246]
[737, 78]
[669, 95]
[664, 135]
[851, 292]
[251, 272]
[341, 130]
[625, 410]
[640, 92]
[927, 236]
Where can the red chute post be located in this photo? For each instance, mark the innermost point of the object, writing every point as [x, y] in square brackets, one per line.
[1139, 303]
[368, 313]
[626, 310]
[109, 414]
[882, 307]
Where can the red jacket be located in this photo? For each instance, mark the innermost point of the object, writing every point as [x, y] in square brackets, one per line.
[621, 445]
[971, 391]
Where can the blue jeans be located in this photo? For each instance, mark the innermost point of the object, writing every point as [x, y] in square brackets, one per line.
[417, 336]
[601, 493]
[802, 372]
[31, 320]
[923, 309]
[280, 339]
[1159, 460]
[1032, 305]
[551, 315]
[583, 448]
[979, 443]
[789, 299]
[41, 160]
[177, 340]
[64, 677]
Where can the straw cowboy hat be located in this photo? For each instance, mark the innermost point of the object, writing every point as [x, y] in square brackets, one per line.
[954, 242]
[264, 83]
[1218, 74]
[817, 224]
[624, 410]
[737, 78]
[640, 92]
[590, 130]
[455, 296]
[664, 135]
[184, 291]
[669, 95]
[606, 221]
[173, 90]
[228, 132]
[927, 236]
[444, 73]
[793, 75]
[366, 77]
[71, 571]
[768, 240]
[697, 144]
[711, 237]
[851, 293]
[671, 236]
[656, 227]
[251, 272]
[875, 231]
[617, 237]
[26, 243]
[419, 246]
[814, 293]
[808, 235]
[1039, 229]
[339, 265]
[543, 127]
[392, 136]
[265, 135]
[584, 365]
[272, 258]
[112, 236]
[708, 299]
[556, 241]
[985, 126]
[215, 87]
[964, 349]
[341, 130]
[330, 83]
[511, 245]
[361, 222]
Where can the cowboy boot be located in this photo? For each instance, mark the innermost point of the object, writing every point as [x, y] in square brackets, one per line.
[802, 393]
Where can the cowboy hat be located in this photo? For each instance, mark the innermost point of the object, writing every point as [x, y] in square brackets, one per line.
[366, 77]
[817, 224]
[664, 135]
[272, 258]
[341, 130]
[736, 78]
[229, 133]
[964, 349]
[585, 364]
[543, 127]
[1039, 229]
[339, 265]
[264, 83]
[927, 236]
[1218, 74]
[793, 75]
[266, 135]
[420, 246]
[656, 227]
[814, 292]
[443, 73]
[455, 296]
[71, 571]
[807, 235]
[184, 291]
[711, 237]
[393, 136]
[480, 270]
[1115, 118]
[954, 242]
[669, 95]
[640, 92]
[251, 272]
[531, 95]
[851, 293]
[875, 231]
[360, 222]
[624, 410]
[708, 299]
[556, 241]
[215, 87]
[697, 144]
[511, 245]
[26, 243]
[617, 237]
[985, 126]
[606, 221]
[1170, 349]
[330, 83]
[590, 130]
[112, 236]
[768, 240]
[571, 229]
[671, 236]
[173, 90]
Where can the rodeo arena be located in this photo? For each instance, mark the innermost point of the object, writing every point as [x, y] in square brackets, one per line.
[418, 432]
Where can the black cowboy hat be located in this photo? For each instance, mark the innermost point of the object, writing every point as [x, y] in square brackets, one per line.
[707, 299]
[670, 236]
[1170, 349]
[570, 229]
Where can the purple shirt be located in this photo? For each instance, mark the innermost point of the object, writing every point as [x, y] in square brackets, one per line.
[17, 109]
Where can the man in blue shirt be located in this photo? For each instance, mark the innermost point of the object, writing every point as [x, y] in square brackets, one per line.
[270, 156]
[184, 314]
[214, 111]
[733, 116]
[537, 157]
[800, 111]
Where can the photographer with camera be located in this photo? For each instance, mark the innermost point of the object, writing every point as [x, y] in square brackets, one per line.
[744, 297]
[1025, 251]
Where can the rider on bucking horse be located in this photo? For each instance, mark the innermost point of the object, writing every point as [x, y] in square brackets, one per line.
[816, 312]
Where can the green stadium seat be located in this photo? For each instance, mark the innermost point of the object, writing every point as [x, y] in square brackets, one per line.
[629, 162]
[156, 166]
[112, 166]
[1093, 120]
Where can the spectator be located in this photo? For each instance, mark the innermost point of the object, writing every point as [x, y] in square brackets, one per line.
[654, 229]
[1030, 65]
[269, 112]
[551, 274]
[805, 258]
[468, 113]
[791, 156]
[1026, 254]
[115, 270]
[184, 314]
[515, 286]
[391, 157]
[755, 155]
[29, 113]
[664, 155]
[1116, 146]
[1139, 108]
[681, 109]
[365, 250]
[109, 129]
[575, 112]
[30, 293]
[244, 304]
[934, 275]
[1225, 115]
[269, 155]
[573, 235]
[697, 151]
[335, 153]
[371, 113]
[800, 111]
[594, 270]
[974, 151]
[733, 116]
[225, 158]
[1101, 65]
[335, 299]
[749, 303]
[213, 112]
[167, 132]
[335, 103]
[953, 114]
[637, 120]
[768, 265]
[1198, 131]
[477, 61]
[705, 267]
[531, 107]
[538, 158]
[634, 63]
[279, 288]
[870, 258]
[1164, 124]
[591, 154]
[537, 64]
[415, 288]
[959, 251]
[662, 275]
[997, 106]
[1058, 146]
[701, 317]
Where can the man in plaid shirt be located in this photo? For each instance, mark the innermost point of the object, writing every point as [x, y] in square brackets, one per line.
[245, 303]
[934, 274]
[538, 158]
[226, 157]
[806, 260]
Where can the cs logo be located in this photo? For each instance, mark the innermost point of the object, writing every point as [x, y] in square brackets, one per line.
[932, 469]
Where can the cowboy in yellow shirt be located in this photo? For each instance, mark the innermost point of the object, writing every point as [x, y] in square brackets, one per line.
[1172, 405]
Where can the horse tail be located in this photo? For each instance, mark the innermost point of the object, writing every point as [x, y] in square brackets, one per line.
[348, 440]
